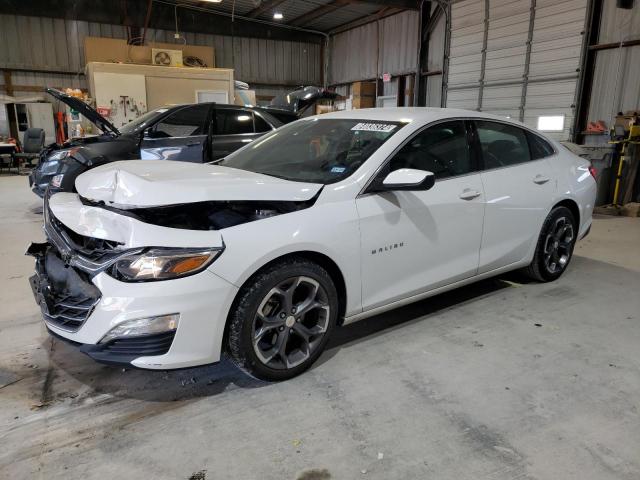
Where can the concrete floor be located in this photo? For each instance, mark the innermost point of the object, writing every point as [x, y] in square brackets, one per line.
[499, 380]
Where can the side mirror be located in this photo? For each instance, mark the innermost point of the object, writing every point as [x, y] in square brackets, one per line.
[148, 133]
[408, 179]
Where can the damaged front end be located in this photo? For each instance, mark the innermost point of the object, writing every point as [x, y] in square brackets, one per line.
[65, 264]
[207, 215]
[65, 295]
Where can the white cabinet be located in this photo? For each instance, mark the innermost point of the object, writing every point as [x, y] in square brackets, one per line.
[120, 97]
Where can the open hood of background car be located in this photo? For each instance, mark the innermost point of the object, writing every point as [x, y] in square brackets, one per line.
[152, 183]
[85, 110]
[299, 100]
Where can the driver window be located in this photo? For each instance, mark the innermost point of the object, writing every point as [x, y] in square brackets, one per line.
[441, 149]
[186, 122]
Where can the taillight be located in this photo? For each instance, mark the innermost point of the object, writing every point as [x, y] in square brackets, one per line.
[593, 171]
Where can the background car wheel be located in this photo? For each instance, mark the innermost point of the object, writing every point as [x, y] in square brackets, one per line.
[282, 320]
[555, 246]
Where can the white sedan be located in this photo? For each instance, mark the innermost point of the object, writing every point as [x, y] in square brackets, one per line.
[325, 221]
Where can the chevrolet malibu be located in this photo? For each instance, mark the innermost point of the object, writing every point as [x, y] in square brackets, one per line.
[323, 222]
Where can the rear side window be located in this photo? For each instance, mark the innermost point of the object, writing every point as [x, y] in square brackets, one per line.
[442, 149]
[502, 145]
[233, 121]
[539, 148]
[186, 122]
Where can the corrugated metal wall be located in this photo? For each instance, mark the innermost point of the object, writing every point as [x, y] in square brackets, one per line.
[615, 82]
[57, 45]
[389, 45]
[517, 58]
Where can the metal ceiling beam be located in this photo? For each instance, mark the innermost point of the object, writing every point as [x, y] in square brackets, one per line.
[330, 7]
[162, 17]
[403, 4]
[263, 7]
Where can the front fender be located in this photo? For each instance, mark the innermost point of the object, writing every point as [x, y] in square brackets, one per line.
[330, 229]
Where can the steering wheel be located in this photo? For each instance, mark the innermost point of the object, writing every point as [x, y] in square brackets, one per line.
[442, 164]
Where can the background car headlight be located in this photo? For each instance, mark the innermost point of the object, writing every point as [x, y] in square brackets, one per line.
[61, 154]
[164, 264]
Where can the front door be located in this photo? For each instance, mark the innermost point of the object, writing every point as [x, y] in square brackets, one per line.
[415, 241]
[181, 135]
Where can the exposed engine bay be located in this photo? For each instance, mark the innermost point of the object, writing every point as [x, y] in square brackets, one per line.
[208, 215]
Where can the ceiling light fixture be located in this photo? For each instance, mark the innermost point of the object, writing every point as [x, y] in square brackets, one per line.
[278, 16]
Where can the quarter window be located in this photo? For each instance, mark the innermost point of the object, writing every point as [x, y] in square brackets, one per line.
[261, 124]
[539, 148]
[502, 145]
[186, 122]
[233, 121]
[442, 149]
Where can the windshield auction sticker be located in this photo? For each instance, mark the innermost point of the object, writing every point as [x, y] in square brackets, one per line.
[374, 127]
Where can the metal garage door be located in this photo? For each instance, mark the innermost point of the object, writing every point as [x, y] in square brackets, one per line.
[517, 58]
[465, 54]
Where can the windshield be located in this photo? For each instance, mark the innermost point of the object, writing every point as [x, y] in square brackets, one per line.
[142, 122]
[317, 151]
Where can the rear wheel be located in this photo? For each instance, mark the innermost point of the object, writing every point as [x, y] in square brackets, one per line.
[555, 246]
[282, 320]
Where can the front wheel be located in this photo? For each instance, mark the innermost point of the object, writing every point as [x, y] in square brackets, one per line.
[282, 320]
[555, 246]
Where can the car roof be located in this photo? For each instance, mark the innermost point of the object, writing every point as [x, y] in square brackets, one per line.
[408, 114]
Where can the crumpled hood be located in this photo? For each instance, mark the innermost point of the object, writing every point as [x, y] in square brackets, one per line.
[152, 183]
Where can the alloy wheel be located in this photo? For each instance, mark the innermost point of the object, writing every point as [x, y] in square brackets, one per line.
[290, 322]
[557, 246]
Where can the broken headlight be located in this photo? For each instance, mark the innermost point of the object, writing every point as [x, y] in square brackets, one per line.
[163, 264]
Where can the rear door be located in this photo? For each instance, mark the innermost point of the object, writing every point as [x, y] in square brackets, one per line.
[181, 135]
[519, 184]
[233, 128]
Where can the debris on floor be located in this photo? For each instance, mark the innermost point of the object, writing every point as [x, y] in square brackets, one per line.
[8, 378]
[314, 474]
[199, 475]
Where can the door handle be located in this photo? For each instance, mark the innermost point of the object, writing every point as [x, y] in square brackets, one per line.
[540, 179]
[468, 194]
[193, 144]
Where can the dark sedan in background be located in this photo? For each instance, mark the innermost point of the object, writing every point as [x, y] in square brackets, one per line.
[199, 133]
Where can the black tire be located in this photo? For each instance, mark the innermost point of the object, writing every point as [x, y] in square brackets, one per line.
[548, 262]
[243, 348]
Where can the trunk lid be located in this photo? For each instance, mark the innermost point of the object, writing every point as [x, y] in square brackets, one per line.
[90, 113]
[152, 183]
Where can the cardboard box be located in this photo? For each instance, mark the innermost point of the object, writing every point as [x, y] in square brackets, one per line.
[363, 89]
[358, 101]
[246, 98]
[320, 109]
